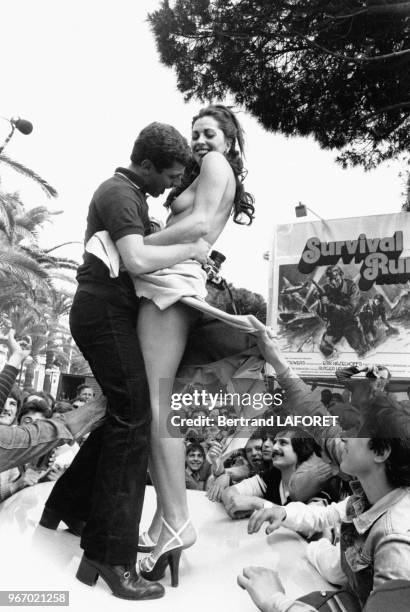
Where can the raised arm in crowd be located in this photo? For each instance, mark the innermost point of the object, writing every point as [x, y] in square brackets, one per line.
[21, 444]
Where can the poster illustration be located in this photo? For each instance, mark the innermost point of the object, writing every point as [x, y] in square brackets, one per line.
[340, 293]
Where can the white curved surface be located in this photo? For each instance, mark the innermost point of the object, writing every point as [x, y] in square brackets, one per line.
[35, 558]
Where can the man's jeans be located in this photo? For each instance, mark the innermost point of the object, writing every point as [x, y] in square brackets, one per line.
[105, 484]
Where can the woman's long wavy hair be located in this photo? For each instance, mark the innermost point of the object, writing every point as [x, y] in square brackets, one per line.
[243, 206]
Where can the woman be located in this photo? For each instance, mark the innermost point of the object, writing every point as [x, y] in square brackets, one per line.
[211, 192]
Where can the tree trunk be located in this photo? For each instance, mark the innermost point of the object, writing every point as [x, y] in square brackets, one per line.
[29, 375]
[48, 368]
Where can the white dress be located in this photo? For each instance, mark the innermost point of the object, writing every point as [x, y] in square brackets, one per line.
[169, 285]
[183, 282]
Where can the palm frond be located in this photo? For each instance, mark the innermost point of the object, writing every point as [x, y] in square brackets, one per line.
[38, 344]
[16, 257]
[21, 309]
[50, 261]
[22, 234]
[7, 221]
[61, 359]
[60, 303]
[23, 270]
[37, 216]
[70, 283]
[13, 201]
[69, 290]
[56, 328]
[21, 169]
[25, 315]
[61, 262]
[79, 365]
[67, 264]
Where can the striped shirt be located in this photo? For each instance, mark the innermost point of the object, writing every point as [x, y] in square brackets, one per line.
[7, 378]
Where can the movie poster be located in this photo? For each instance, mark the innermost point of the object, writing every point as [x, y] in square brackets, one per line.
[340, 293]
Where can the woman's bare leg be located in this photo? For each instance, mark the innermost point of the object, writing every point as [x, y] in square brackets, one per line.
[156, 522]
[163, 336]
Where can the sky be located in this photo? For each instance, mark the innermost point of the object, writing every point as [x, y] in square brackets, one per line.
[88, 76]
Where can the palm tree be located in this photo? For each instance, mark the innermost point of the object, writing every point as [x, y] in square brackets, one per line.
[41, 319]
[28, 274]
[25, 315]
[18, 239]
[24, 265]
[58, 336]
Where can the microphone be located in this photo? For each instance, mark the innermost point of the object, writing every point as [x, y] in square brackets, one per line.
[22, 125]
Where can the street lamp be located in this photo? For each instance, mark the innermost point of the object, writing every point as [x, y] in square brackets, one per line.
[22, 125]
[301, 211]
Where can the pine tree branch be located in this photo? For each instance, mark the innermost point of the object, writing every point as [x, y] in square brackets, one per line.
[403, 8]
[311, 43]
[355, 60]
[386, 109]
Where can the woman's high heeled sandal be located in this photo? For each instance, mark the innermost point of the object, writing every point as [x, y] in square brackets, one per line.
[145, 543]
[154, 569]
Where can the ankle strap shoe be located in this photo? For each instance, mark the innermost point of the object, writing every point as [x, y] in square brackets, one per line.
[153, 568]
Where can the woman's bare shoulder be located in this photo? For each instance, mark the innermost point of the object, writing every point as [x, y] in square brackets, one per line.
[215, 166]
[214, 159]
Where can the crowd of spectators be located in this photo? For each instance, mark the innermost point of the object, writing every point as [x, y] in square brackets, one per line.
[307, 483]
[283, 475]
[368, 555]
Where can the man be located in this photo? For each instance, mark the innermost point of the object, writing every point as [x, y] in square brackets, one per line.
[294, 454]
[104, 486]
[370, 380]
[370, 313]
[253, 463]
[338, 306]
[253, 453]
[267, 447]
[34, 410]
[33, 394]
[25, 475]
[9, 411]
[85, 393]
[197, 469]
[11, 479]
[374, 521]
[254, 459]
[364, 384]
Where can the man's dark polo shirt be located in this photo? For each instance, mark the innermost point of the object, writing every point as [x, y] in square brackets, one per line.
[119, 207]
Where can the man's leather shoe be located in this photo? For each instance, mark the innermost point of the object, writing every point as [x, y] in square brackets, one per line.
[52, 518]
[123, 580]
